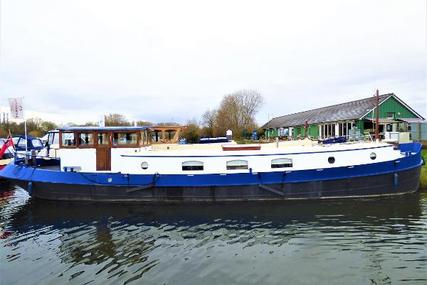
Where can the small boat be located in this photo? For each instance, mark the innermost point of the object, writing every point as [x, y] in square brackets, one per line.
[120, 164]
[28, 143]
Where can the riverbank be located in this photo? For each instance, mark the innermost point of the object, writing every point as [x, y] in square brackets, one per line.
[424, 171]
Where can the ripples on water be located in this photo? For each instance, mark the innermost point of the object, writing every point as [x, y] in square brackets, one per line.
[335, 242]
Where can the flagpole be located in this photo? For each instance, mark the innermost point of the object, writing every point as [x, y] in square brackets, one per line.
[26, 138]
[26, 135]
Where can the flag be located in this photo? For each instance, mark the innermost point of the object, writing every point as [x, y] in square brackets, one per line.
[16, 108]
[10, 140]
[8, 143]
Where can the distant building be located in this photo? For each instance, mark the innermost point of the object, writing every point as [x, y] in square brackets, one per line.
[355, 117]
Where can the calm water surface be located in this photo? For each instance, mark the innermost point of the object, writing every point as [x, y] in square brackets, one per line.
[382, 241]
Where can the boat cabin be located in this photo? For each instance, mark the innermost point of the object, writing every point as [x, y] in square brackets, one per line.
[100, 141]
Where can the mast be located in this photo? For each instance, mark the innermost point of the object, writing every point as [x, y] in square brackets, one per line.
[377, 118]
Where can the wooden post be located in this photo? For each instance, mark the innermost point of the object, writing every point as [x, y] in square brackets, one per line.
[306, 129]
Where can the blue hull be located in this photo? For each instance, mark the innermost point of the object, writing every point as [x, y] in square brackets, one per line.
[385, 178]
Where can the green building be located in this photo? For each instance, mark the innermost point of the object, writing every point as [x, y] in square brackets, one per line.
[350, 118]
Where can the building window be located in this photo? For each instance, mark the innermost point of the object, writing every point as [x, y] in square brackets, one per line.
[331, 160]
[390, 115]
[237, 164]
[281, 163]
[192, 165]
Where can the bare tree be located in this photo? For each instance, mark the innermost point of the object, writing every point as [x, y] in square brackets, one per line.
[208, 122]
[237, 112]
[116, 120]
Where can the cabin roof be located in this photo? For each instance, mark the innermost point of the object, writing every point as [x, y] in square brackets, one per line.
[103, 129]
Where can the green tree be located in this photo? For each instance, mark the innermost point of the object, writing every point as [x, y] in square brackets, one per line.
[192, 132]
[35, 127]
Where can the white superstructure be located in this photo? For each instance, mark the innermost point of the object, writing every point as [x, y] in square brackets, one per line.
[211, 159]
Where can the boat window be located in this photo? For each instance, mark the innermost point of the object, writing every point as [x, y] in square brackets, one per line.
[144, 165]
[85, 139]
[281, 163]
[68, 140]
[21, 143]
[192, 165]
[103, 138]
[237, 164]
[373, 155]
[37, 143]
[122, 139]
[53, 138]
[331, 159]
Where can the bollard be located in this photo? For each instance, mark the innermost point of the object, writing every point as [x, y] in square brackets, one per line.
[33, 158]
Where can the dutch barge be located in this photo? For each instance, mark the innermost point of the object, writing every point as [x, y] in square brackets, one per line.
[119, 164]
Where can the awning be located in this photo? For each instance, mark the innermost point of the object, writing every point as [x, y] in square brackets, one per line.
[385, 121]
[412, 120]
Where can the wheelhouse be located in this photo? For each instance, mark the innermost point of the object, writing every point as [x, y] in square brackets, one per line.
[114, 137]
[103, 140]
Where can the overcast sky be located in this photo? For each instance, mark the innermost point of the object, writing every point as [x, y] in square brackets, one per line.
[172, 60]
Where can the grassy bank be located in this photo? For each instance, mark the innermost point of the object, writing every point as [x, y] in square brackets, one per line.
[424, 171]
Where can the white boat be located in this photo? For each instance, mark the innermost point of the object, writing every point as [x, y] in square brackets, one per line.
[120, 164]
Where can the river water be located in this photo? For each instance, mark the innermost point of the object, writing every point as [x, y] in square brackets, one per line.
[371, 241]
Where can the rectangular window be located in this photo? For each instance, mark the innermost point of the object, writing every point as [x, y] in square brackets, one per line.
[103, 138]
[86, 139]
[192, 165]
[37, 143]
[123, 139]
[237, 164]
[53, 138]
[68, 140]
[390, 115]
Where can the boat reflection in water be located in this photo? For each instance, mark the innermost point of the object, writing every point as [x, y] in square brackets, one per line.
[238, 243]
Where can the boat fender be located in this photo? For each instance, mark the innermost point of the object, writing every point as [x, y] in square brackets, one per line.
[396, 179]
[30, 188]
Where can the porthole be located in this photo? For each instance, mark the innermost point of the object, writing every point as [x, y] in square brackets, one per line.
[331, 159]
[144, 165]
[373, 155]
